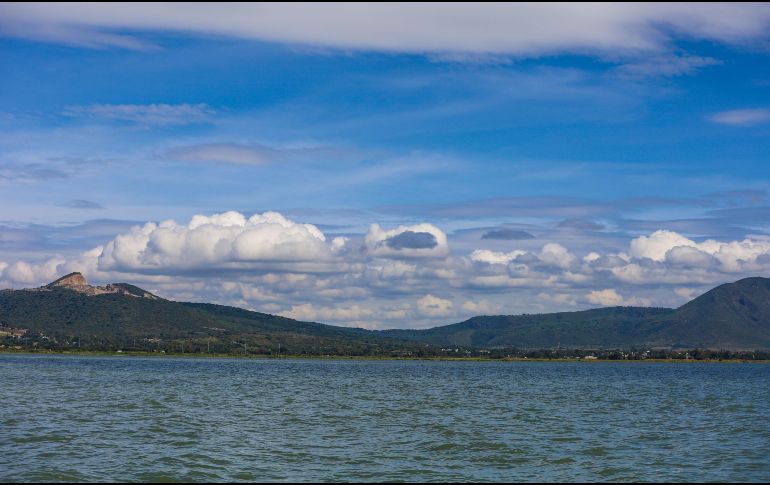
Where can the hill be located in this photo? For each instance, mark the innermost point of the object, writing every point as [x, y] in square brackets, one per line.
[70, 312]
[731, 316]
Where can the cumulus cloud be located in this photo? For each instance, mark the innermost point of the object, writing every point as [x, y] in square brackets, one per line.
[226, 240]
[607, 297]
[433, 306]
[557, 255]
[480, 307]
[552, 254]
[658, 244]
[610, 297]
[418, 241]
[24, 273]
[495, 257]
[271, 263]
[674, 249]
[309, 312]
[452, 29]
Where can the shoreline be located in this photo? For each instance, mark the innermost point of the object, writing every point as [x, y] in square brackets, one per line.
[86, 353]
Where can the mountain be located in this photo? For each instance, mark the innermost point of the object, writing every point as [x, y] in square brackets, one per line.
[70, 312]
[731, 316]
[605, 327]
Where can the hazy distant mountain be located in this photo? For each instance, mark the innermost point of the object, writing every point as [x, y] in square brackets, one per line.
[731, 316]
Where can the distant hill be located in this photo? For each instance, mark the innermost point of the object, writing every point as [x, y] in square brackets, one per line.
[122, 315]
[731, 316]
[70, 312]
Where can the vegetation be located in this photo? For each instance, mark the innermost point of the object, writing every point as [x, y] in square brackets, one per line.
[734, 317]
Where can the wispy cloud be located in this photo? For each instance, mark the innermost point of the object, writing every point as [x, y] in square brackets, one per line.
[741, 117]
[30, 172]
[665, 66]
[82, 204]
[233, 153]
[145, 114]
[463, 28]
[507, 234]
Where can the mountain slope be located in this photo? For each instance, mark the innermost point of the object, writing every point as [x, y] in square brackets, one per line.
[603, 327]
[731, 316]
[70, 309]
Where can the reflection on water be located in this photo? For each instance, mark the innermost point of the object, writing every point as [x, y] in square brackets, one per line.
[152, 419]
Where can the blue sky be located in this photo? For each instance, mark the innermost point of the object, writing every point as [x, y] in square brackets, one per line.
[540, 136]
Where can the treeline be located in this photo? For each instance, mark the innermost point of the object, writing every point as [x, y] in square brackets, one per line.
[300, 345]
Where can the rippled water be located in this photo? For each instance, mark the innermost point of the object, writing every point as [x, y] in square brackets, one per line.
[153, 419]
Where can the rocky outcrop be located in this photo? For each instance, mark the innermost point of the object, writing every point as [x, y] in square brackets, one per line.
[71, 280]
[77, 282]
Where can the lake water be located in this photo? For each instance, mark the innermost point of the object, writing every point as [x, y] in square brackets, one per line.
[160, 419]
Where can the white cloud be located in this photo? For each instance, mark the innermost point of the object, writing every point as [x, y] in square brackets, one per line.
[557, 255]
[432, 306]
[309, 312]
[480, 307]
[446, 29]
[610, 297]
[223, 241]
[607, 297]
[658, 244]
[741, 117]
[552, 254]
[674, 249]
[23, 273]
[686, 293]
[268, 262]
[495, 257]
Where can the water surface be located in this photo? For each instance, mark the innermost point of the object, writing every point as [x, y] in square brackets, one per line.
[152, 419]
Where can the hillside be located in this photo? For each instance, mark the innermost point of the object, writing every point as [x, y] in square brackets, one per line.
[731, 316]
[616, 327]
[122, 315]
[70, 312]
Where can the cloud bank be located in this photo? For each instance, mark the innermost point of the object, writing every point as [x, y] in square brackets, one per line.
[406, 276]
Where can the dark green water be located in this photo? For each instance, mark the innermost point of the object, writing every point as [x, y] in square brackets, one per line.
[155, 419]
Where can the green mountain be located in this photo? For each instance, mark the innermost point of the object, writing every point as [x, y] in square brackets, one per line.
[71, 313]
[731, 316]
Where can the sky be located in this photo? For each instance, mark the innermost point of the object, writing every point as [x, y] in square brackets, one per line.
[387, 165]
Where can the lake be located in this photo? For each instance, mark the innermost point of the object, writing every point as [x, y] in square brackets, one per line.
[73, 418]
